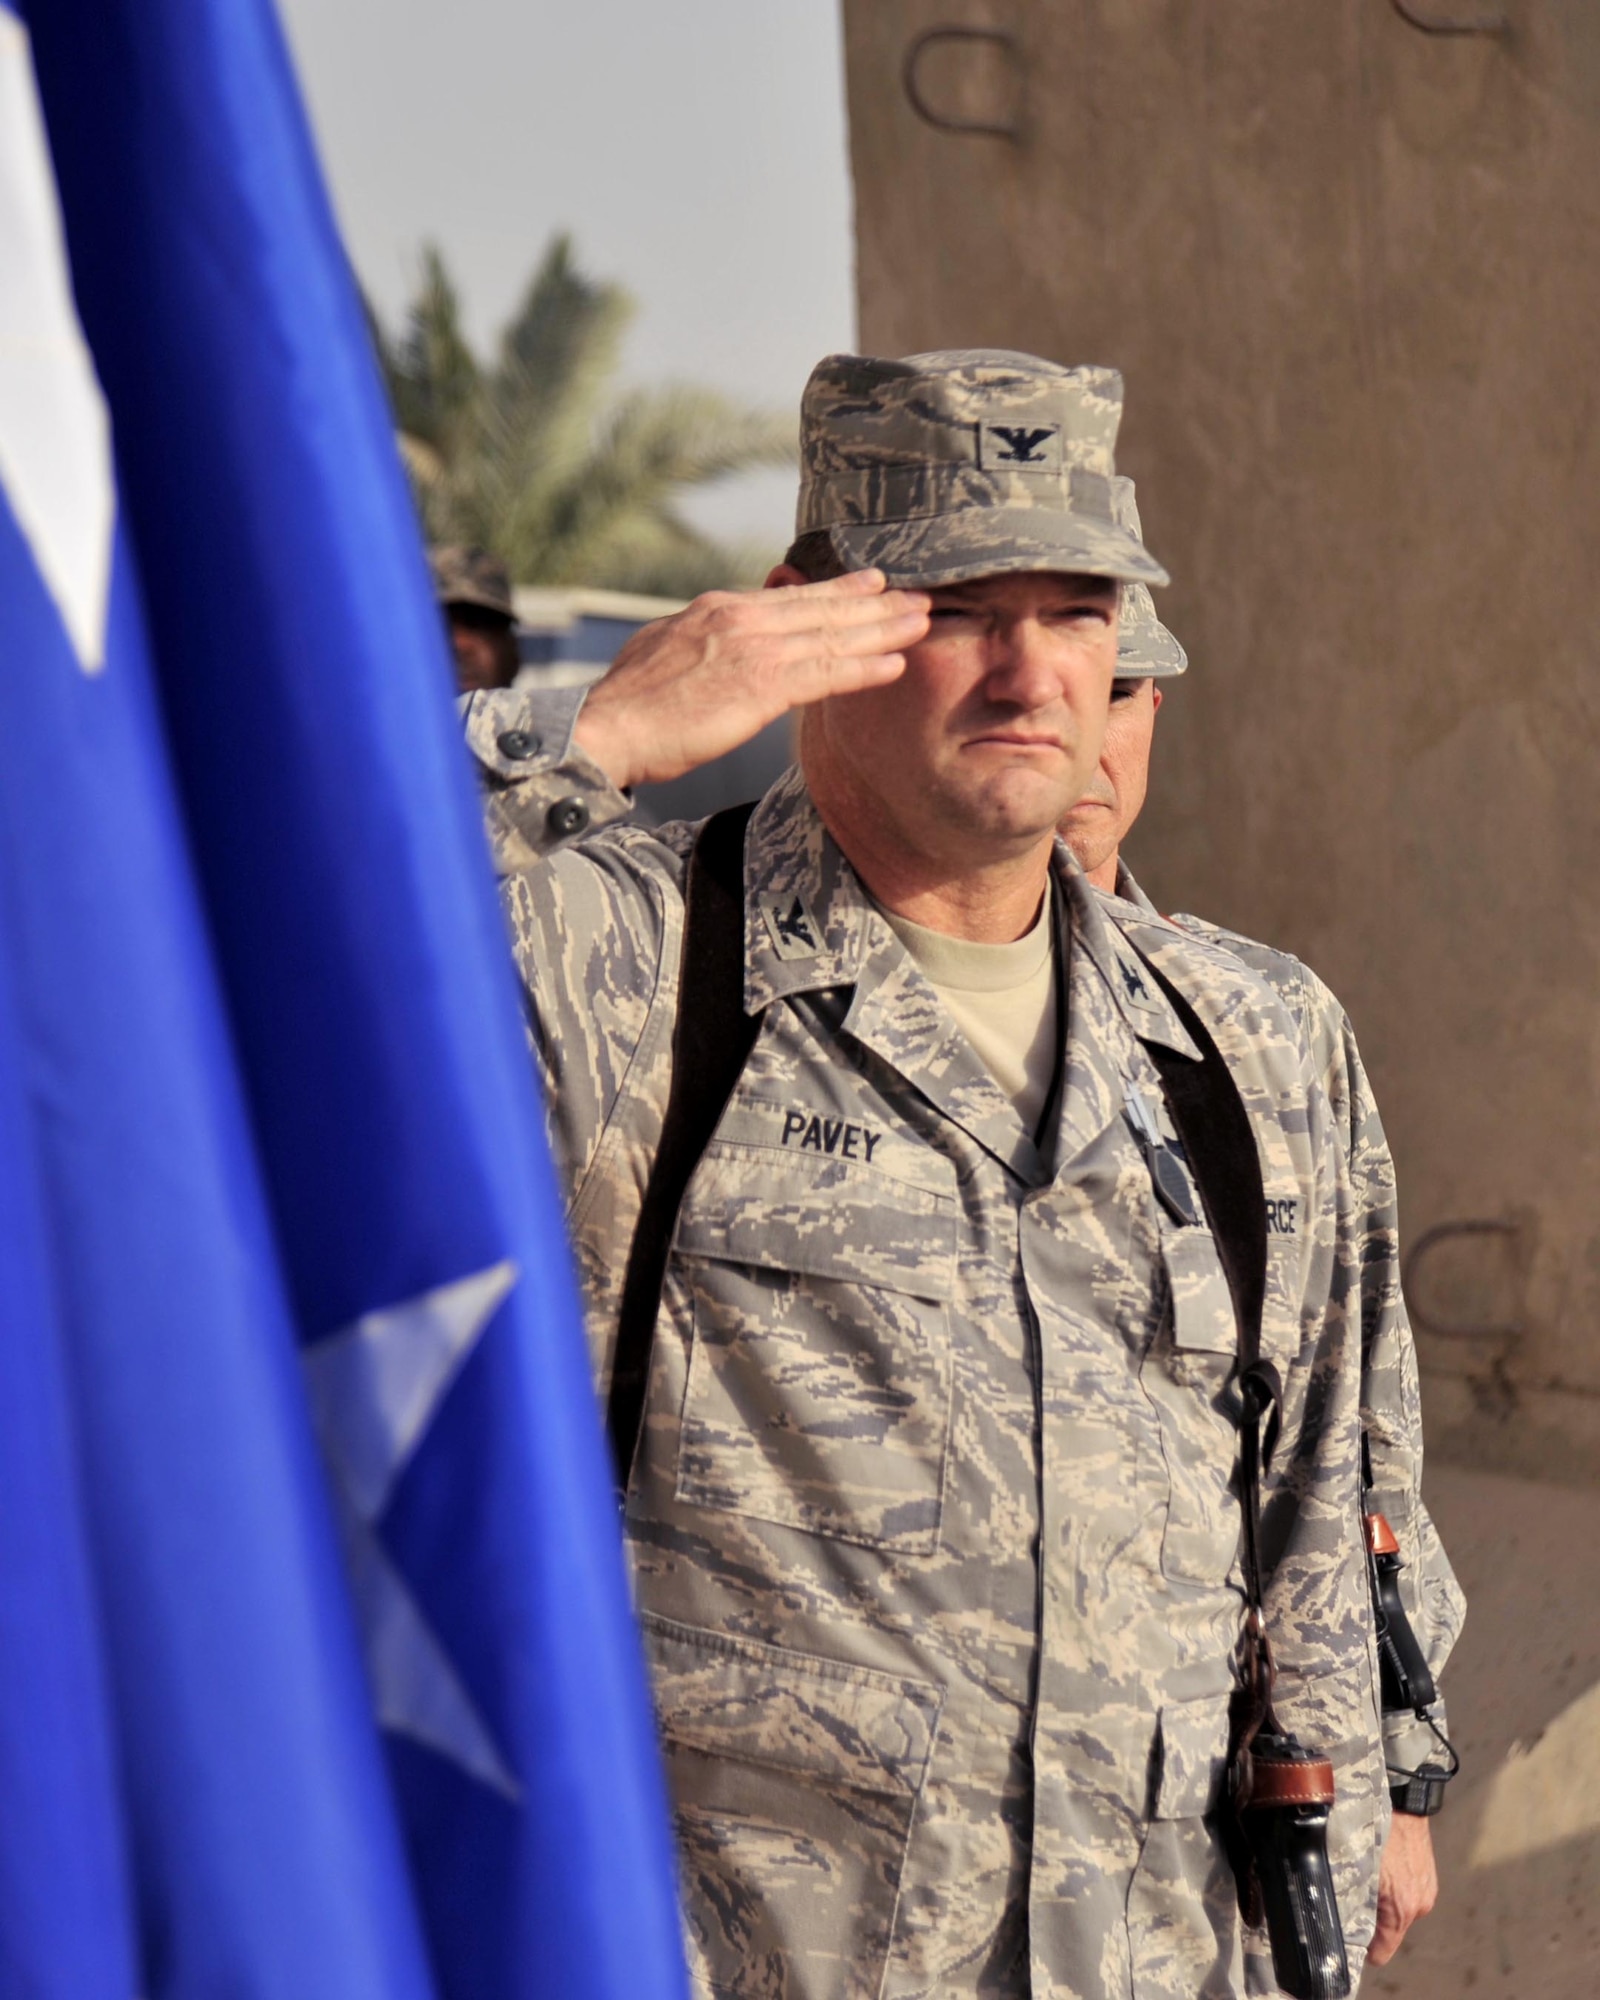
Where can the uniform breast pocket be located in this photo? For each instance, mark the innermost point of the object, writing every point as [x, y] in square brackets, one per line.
[1189, 1376]
[819, 1383]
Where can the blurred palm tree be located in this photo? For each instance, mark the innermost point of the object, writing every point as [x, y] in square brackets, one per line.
[538, 460]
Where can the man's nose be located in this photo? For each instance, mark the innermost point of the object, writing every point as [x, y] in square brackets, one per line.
[1022, 667]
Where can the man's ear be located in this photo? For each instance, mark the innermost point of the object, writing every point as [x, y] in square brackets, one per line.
[783, 576]
[1156, 697]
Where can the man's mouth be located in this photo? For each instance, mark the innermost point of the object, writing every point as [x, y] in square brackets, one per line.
[1011, 740]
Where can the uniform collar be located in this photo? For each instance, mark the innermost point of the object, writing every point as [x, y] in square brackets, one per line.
[810, 927]
[808, 921]
[1130, 892]
[1107, 924]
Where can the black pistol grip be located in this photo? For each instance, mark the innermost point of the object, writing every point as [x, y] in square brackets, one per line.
[1286, 1825]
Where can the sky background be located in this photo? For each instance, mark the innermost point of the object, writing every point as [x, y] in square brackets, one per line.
[695, 149]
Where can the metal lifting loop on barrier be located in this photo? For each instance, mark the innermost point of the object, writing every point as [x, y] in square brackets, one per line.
[1474, 21]
[910, 79]
[1429, 1240]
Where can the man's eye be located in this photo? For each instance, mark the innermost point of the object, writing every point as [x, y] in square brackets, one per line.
[1124, 690]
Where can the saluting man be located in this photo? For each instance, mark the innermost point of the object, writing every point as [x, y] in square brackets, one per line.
[931, 1510]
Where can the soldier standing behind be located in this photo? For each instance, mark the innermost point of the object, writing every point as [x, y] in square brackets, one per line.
[474, 592]
[1095, 829]
[931, 1516]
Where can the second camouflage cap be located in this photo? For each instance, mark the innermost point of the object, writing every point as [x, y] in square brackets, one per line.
[947, 466]
[471, 576]
[1146, 650]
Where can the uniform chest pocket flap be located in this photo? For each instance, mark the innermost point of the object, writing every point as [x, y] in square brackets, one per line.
[818, 1392]
[1189, 1376]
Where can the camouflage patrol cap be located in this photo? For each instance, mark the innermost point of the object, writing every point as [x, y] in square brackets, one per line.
[947, 466]
[471, 576]
[1146, 650]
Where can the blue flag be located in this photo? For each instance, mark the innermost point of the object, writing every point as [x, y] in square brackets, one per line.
[257, 1830]
[306, 692]
[65, 1919]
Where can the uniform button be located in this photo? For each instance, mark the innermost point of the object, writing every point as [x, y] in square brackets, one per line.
[567, 817]
[519, 744]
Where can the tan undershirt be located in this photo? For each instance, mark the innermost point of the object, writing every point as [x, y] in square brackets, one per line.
[1002, 997]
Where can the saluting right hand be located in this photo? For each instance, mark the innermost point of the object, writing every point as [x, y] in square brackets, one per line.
[689, 688]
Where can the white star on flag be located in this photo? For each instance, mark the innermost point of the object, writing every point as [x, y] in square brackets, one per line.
[375, 1387]
[55, 436]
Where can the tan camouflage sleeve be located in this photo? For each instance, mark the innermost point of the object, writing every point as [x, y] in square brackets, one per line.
[595, 913]
[540, 789]
[1391, 1398]
[597, 933]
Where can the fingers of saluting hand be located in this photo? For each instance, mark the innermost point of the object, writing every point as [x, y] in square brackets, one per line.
[825, 674]
[814, 665]
[839, 616]
[789, 646]
[835, 642]
[840, 604]
[900, 621]
[691, 687]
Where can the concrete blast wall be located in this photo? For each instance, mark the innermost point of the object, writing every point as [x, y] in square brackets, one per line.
[1351, 272]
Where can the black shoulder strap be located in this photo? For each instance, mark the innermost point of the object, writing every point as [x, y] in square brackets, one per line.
[1221, 1148]
[710, 1043]
[1214, 1127]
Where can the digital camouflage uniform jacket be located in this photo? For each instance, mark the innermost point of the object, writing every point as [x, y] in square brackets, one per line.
[932, 1534]
[1391, 1394]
